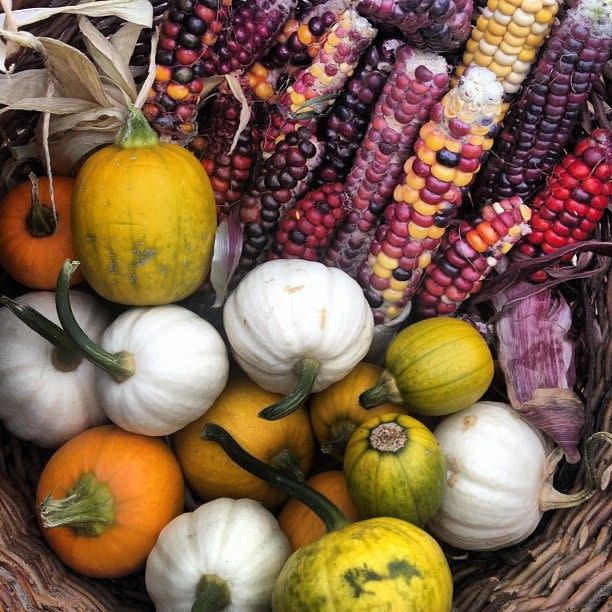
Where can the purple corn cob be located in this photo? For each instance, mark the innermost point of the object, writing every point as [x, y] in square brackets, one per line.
[538, 126]
[418, 80]
[432, 25]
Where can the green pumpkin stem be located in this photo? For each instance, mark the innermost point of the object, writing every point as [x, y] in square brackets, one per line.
[119, 365]
[286, 461]
[66, 355]
[385, 390]
[306, 372]
[212, 594]
[328, 512]
[88, 509]
[41, 221]
[135, 131]
[341, 432]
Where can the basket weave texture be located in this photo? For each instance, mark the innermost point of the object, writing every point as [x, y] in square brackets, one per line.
[564, 566]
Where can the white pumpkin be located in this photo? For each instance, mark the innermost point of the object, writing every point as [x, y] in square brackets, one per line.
[46, 397]
[499, 478]
[234, 545]
[297, 326]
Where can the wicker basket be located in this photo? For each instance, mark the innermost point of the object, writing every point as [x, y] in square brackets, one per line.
[565, 565]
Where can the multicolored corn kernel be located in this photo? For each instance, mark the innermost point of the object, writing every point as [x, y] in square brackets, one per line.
[252, 30]
[538, 125]
[265, 83]
[188, 30]
[315, 87]
[568, 209]
[431, 25]
[305, 229]
[417, 82]
[506, 39]
[347, 122]
[448, 153]
[278, 182]
[467, 255]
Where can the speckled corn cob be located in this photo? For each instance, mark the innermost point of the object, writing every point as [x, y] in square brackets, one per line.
[188, 30]
[347, 122]
[431, 25]
[468, 255]
[279, 182]
[506, 38]
[305, 230]
[418, 80]
[314, 87]
[252, 30]
[568, 209]
[449, 152]
[539, 124]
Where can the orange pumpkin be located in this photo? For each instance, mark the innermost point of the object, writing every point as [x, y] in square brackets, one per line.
[103, 498]
[287, 443]
[33, 241]
[300, 524]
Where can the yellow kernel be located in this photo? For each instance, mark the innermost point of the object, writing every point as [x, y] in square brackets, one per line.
[397, 285]
[476, 34]
[525, 212]
[325, 79]
[410, 195]
[516, 42]
[380, 271]
[463, 179]
[259, 70]
[520, 31]
[511, 50]
[482, 23]
[475, 139]
[297, 99]
[177, 92]
[427, 128]
[162, 74]
[497, 29]
[471, 45]
[424, 260]
[492, 5]
[427, 210]
[487, 143]
[481, 58]
[388, 263]
[332, 39]
[505, 248]
[427, 156]
[304, 36]
[492, 39]
[392, 312]
[414, 181]
[531, 6]
[264, 91]
[500, 71]
[435, 140]
[454, 146]
[545, 15]
[514, 231]
[505, 7]
[316, 70]
[417, 232]
[443, 173]
[392, 296]
[516, 2]
[527, 55]
[436, 232]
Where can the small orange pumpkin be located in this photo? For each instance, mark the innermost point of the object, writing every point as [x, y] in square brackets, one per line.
[33, 241]
[104, 497]
[300, 524]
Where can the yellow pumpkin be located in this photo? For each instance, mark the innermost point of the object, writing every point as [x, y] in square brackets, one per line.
[434, 367]
[335, 412]
[287, 443]
[143, 218]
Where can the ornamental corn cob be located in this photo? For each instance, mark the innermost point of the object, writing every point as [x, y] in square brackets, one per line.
[265, 82]
[431, 25]
[347, 122]
[468, 255]
[188, 31]
[448, 153]
[539, 124]
[305, 230]
[568, 209]
[418, 80]
[315, 87]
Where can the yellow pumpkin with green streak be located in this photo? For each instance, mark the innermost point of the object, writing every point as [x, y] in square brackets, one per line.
[434, 367]
[143, 218]
[376, 564]
[394, 466]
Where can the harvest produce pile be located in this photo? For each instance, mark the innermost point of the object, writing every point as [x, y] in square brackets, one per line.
[305, 305]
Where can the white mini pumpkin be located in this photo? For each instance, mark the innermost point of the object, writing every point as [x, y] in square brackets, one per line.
[234, 547]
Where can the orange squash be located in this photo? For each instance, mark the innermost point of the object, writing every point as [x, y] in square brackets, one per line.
[33, 242]
[335, 412]
[300, 524]
[287, 443]
[104, 497]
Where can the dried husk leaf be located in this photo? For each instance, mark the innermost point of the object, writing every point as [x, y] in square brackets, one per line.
[26, 84]
[245, 109]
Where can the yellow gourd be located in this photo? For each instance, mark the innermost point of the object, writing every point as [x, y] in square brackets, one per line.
[143, 218]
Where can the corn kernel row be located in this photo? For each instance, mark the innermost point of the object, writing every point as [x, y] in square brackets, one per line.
[448, 153]
[468, 254]
[418, 80]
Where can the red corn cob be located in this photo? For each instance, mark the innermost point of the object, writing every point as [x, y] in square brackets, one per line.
[448, 153]
[188, 30]
[348, 119]
[320, 82]
[468, 255]
[538, 126]
[252, 30]
[305, 230]
[432, 25]
[418, 80]
[568, 209]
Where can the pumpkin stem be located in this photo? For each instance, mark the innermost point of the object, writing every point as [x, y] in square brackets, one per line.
[328, 512]
[385, 390]
[550, 498]
[341, 431]
[41, 220]
[287, 462]
[135, 131]
[66, 355]
[119, 365]
[88, 509]
[306, 372]
[212, 594]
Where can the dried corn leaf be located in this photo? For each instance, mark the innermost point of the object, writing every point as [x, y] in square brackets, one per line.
[245, 109]
[124, 40]
[26, 84]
